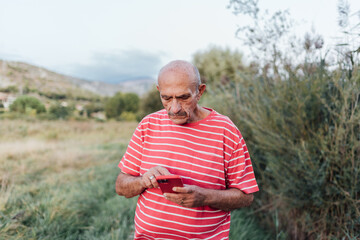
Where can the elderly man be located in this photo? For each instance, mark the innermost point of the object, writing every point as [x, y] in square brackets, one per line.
[203, 147]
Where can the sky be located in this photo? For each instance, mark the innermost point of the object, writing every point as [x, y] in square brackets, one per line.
[115, 40]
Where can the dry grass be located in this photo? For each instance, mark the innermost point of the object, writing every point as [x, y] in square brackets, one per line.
[55, 173]
[30, 147]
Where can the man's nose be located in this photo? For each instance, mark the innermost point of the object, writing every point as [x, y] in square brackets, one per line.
[175, 106]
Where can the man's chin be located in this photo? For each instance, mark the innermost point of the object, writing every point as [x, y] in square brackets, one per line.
[178, 120]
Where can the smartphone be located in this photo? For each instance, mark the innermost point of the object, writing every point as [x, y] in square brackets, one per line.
[167, 182]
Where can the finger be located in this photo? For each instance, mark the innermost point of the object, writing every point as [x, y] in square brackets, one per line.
[163, 171]
[182, 189]
[153, 180]
[147, 181]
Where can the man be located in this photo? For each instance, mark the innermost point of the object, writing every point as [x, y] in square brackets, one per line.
[202, 146]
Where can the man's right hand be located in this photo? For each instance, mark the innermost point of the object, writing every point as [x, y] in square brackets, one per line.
[149, 178]
[131, 186]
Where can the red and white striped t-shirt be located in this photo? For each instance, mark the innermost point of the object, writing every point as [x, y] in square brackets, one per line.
[210, 153]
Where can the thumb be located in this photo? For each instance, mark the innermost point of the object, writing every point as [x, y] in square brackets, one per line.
[181, 189]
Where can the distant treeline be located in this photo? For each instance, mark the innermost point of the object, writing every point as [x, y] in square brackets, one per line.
[52, 105]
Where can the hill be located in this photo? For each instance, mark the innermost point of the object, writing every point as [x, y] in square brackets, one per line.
[30, 78]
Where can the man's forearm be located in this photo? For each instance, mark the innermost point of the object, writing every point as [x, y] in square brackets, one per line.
[128, 186]
[228, 199]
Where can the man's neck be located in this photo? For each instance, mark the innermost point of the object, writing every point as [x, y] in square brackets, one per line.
[199, 114]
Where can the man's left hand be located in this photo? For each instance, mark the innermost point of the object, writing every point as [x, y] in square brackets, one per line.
[187, 196]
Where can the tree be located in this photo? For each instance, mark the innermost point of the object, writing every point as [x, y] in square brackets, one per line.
[217, 65]
[60, 112]
[121, 102]
[132, 102]
[150, 103]
[24, 103]
[114, 105]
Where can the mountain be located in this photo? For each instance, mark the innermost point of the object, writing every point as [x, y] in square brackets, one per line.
[28, 77]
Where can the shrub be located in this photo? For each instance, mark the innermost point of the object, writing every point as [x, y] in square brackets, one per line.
[10, 89]
[127, 116]
[114, 106]
[301, 120]
[304, 135]
[121, 102]
[57, 111]
[24, 104]
[150, 103]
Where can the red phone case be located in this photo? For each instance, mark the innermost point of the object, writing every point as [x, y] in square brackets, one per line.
[167, 182]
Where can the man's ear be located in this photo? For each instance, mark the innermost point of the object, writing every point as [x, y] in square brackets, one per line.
[157, 87]
[201, 90]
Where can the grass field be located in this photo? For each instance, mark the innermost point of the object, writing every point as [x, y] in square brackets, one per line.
[57, 182]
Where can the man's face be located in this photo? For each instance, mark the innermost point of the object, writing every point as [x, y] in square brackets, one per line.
[179, 96]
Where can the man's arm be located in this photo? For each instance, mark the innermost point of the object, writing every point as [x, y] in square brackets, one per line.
[131, 186]
[194, 196]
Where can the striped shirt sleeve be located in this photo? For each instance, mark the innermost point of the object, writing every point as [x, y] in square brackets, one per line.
[131, 161]
[239, 170]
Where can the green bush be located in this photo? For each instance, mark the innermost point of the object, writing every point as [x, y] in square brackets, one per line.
[10, 89]
[57, 111]
[53, 95]
[300, 116]
[121, 102]
[304, 135]
[114, 106]
[127, 116]
[150, 103]
[25, 104]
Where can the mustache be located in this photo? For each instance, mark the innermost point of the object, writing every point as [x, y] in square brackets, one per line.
[180, 114]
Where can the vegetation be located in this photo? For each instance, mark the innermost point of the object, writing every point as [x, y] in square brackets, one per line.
[9, 89]
[94, 107]
[121, 102]
[217, 64]
[25, 104]
[150, 103]
[297, 108]
[301, 121]
[58, 111]
[57, 182]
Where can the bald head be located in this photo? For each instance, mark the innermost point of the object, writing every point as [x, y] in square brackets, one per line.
[182, 67]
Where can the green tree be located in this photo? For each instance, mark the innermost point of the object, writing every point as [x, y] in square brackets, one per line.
[58, 111]
[132, 102]
[121, 102]
[24, 103]
[114, 105]
[218, 66]
[150, 103]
